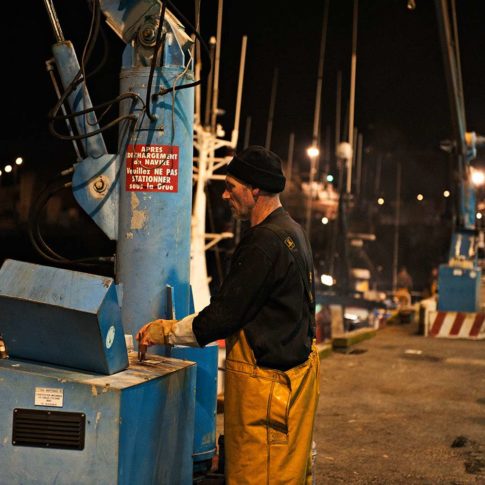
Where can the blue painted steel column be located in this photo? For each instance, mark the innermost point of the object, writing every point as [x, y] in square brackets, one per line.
[153, 257]
[153, 250]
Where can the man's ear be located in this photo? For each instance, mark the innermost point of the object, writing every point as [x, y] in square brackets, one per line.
[255, 191]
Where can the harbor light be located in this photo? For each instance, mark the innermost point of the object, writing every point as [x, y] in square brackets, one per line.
[446, 193]
[313, 152]
[326, 280]
[411, 5]
[8, 168]
[420, 197]
[380, 201]
[478, 177]
[324, 220]
[19, 161]
[479, 215]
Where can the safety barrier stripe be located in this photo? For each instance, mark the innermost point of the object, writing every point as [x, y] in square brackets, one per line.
[457, 324]
[435, 329]
[459, 319]
[477, 324]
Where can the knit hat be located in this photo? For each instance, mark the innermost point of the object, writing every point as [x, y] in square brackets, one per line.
[258, 167]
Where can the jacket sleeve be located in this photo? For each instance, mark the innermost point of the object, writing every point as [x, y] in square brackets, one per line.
[241, 295]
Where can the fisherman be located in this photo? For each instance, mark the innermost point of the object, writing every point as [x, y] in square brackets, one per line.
[265, 310]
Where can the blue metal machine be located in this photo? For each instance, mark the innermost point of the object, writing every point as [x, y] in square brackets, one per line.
[79, 311]
[141, 197]
[72, 408]
[459, 279]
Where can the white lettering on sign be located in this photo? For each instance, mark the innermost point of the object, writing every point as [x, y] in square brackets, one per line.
[152, 168]
[49, 396]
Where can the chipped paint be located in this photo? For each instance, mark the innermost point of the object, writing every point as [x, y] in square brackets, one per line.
[62, 381]
[139, 218]
[5, 440]
[94, 390]
[98, 418]
[129, 235]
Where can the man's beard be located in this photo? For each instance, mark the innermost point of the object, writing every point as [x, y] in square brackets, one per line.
[238, 215]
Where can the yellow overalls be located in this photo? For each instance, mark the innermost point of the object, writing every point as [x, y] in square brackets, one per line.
[268, 418]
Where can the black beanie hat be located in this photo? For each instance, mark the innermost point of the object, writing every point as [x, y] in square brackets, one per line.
[258, 167]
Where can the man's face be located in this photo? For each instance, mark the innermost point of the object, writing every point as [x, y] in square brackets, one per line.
[240, 197]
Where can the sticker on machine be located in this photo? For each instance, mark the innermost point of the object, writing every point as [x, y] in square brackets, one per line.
[49, 396]
[152, 168]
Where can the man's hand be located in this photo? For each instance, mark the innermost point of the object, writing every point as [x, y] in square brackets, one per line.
[155, 333]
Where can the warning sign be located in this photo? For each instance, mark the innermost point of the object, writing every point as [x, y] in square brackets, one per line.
[152, 168]
[49, 396]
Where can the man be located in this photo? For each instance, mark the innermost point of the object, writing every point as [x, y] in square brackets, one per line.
[265, 311]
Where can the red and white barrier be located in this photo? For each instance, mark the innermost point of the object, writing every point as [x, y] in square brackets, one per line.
[456, 325]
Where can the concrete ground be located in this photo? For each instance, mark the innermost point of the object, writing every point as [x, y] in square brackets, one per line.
[402, 408]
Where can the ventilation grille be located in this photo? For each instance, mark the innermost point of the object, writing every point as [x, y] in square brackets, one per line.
[48, 429]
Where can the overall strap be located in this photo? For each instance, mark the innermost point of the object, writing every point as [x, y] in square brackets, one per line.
[307, 277]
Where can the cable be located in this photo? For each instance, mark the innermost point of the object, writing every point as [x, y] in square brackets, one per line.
[53, 116]
[105, 55]
[81, 77]
[35, 235]
[202, 42]
[193, 30]
[158, 44]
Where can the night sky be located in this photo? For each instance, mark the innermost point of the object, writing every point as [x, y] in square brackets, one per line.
[401, 100]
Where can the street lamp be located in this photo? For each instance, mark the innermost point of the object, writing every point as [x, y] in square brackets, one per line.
[477, 177]
[446, 193]
[313, 152]
[420, 197]
[8, 168]
[380, 201]
[19, 161]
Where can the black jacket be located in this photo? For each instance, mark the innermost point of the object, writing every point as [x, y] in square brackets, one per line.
[264, 294]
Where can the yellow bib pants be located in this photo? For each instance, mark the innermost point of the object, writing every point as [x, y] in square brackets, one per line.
[268, 418]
